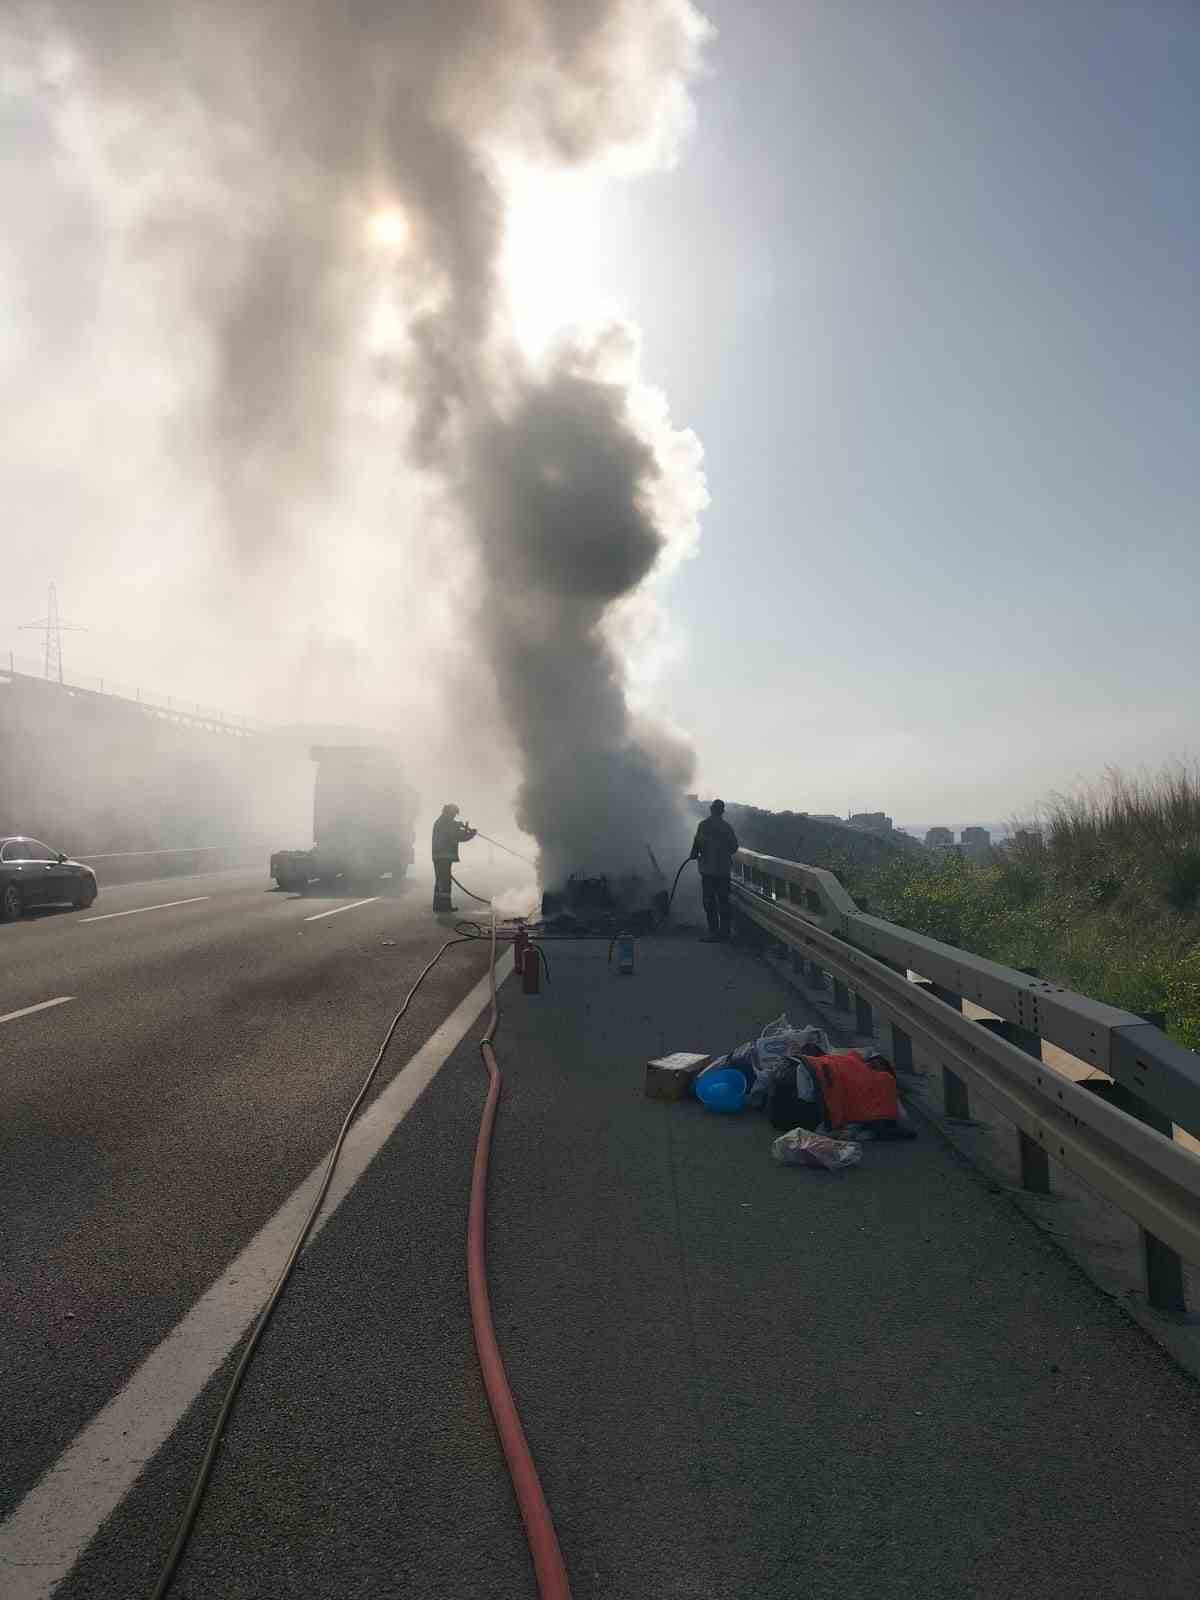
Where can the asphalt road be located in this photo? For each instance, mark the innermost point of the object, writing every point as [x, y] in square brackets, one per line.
[737, 1379]
[154, 1121]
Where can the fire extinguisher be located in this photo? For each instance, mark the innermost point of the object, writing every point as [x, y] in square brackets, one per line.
[530, 969]
[623, 944]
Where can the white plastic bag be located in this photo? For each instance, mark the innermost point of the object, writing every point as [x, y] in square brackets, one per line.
[806, 1082]
[780, 1042]
[780, 1025]
[776, 1047]
[799, 1148]
[783, 1038]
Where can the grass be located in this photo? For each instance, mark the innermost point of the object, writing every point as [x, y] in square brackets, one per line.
[1101, 894]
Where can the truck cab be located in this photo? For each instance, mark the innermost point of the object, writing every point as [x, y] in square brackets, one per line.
[364, 816]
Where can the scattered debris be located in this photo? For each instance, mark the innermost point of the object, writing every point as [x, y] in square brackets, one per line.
[670, 1077]
[810, 1091]
[800, 1148]
[721, 1088]
[778, 1042]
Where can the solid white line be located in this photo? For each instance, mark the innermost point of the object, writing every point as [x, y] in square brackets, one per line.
[338, 909]
[50, 1529]
[44, 1005]
[137, 910]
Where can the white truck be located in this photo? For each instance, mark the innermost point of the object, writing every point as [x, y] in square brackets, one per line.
[364, 816]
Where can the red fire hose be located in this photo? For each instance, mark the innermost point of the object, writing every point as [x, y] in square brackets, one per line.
[548, 1564]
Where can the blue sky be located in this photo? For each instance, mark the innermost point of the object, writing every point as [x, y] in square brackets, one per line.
[926, 286]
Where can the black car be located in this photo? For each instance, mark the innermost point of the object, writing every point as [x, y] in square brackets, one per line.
[31, 874]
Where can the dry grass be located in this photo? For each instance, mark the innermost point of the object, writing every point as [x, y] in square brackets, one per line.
[1125, 837]
[1101, 893]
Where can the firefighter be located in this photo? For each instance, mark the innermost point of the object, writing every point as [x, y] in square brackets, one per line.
[448, 834]
[714, 847]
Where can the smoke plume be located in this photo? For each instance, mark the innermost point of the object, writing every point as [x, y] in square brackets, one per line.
[318, 190]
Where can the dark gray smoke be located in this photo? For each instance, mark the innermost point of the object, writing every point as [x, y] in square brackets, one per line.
[250, 144]
[559, 490]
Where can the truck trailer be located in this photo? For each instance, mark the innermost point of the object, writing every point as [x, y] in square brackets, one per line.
[364, 816]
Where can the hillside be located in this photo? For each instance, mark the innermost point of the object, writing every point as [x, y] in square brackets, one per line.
[1103, 896]
[796, 836]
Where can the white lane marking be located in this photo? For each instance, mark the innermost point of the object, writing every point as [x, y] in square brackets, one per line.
[49, 1530]
[163, 905]
[43, 1005]
[337, 909]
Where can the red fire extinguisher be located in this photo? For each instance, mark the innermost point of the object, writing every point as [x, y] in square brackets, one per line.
[530, 970]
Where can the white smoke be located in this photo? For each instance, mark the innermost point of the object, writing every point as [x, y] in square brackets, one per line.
[303, 202]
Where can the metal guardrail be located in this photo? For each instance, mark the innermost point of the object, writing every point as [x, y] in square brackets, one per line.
[1125, 1153]
[1119, 1043]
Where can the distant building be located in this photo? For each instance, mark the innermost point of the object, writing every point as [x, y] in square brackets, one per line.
[939, 839]
[825, 816]
[871, 822]
[976, 844]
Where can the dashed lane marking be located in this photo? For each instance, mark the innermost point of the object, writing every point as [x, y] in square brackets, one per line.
[338, 909]
[163, 905]
[42, 1005]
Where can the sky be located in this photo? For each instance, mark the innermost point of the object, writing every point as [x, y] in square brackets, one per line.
[922, 280]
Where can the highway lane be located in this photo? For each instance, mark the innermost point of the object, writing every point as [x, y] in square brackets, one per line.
[737, 1379]
[153, 1122]
[130, 919]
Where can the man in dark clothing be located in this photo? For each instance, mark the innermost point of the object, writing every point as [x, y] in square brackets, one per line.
[714, 847]
[448, 834]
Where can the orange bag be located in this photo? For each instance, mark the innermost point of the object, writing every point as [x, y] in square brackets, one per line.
[855, 1090]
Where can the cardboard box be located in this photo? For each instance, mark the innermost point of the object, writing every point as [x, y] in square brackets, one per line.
[670, 1077]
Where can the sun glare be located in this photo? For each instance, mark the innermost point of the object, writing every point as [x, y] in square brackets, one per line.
[555, 239]
[388, 229]
[558, 233]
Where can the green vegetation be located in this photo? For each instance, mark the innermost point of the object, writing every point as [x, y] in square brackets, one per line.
[1103, 896]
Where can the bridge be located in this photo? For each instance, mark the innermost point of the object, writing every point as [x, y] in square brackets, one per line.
[966, 1367]
[101, 695]
[93, 770]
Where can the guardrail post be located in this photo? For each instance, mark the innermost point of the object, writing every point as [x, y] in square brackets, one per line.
[1035, 1163]
[864, 1017]
[946, 996]
[901, 1052]
[1162, 1266]
[1164, 1275]
[956, 1102]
